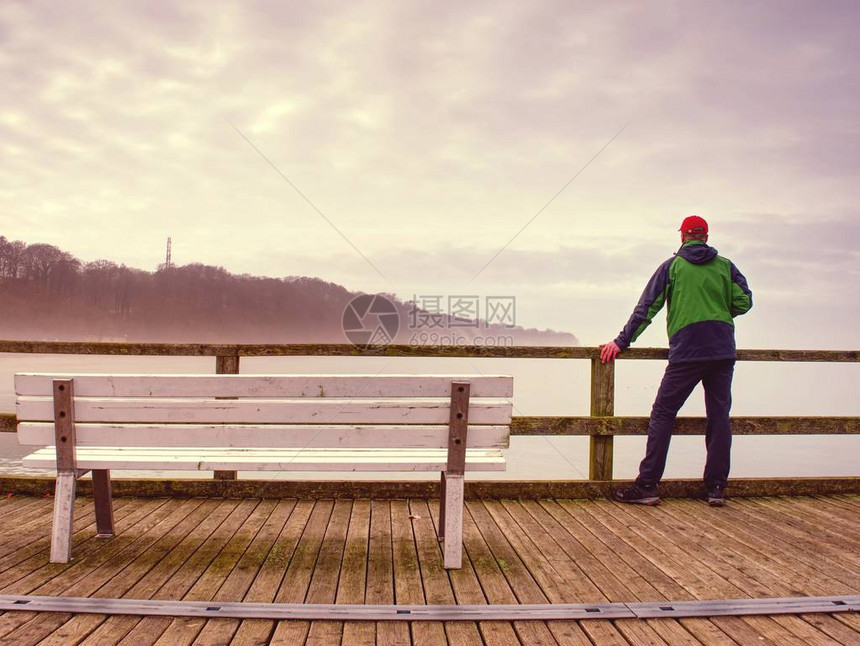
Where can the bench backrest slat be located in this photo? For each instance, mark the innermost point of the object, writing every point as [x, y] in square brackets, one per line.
[272, 435]
[264, 411]
[280, 386]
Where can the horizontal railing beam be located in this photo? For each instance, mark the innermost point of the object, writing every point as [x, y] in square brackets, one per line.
[573, 425]
[347, 349]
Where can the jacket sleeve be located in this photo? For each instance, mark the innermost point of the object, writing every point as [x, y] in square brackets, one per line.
[651, 302]
[741, 295]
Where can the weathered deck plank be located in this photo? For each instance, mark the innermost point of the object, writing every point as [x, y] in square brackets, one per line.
[777, 558]
[821, 514]
[850, 620]
[408, 588]
[491, 573]
[22, 544]
[663, 575]
[467, 590]
[520, 562]
[149, 629]
[297, 579]
[380, 573]
[784, 579]
[742, 570]
[80, 627]
[168, 570]
[184, 630]
[795, 525]
[268, 581]
[726, 580]
[242, 577]
[790, 552]
[352, 586]
[613, 578]
[323, 588]
[18, 507]
[437, 584]
[108, 562]
[36, 575]
[380, 551]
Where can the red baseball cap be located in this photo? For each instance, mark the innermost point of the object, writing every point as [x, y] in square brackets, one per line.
[694, 224]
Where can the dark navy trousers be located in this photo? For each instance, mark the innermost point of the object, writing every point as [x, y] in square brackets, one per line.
[678, 382]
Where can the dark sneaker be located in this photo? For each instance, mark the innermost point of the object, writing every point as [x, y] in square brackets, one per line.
[637, 495]
[714, 496]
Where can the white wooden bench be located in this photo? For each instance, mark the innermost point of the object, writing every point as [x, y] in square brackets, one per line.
[97, 423]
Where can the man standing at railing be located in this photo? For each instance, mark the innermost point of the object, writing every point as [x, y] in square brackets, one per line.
[703, 293]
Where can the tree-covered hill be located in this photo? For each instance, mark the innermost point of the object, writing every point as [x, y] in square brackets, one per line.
[48, 294]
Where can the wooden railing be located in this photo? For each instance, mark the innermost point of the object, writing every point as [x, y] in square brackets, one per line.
[601, 425]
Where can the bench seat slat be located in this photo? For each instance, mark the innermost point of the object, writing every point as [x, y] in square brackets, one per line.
[265, 411]
[364, 386]
[268, 459]
[273, 435]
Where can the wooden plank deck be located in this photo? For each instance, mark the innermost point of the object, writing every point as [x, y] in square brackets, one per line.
[385, 551]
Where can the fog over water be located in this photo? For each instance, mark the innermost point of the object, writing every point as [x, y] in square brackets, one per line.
[545, 387]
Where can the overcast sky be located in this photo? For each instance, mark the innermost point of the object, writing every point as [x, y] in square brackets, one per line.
[429, 134]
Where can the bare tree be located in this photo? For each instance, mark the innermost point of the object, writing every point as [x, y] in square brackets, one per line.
[39, 260]
[10, 258]
[99, 277]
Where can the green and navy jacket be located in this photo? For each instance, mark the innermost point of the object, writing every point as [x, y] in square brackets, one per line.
[703, 292]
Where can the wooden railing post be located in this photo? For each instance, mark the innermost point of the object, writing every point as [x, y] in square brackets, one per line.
[226, 364]
[602, 405]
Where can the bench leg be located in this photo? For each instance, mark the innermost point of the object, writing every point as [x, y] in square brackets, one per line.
[103, 503]
[453, 527]
[64, 515]
[442, 507]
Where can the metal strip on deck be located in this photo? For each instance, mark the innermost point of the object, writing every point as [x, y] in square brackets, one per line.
[496, 612]
[339, 612]
[737, 607]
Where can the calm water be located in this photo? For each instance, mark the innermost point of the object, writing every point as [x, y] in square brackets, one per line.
[547, 387]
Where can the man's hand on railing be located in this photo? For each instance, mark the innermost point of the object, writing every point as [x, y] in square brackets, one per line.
[608, 352]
